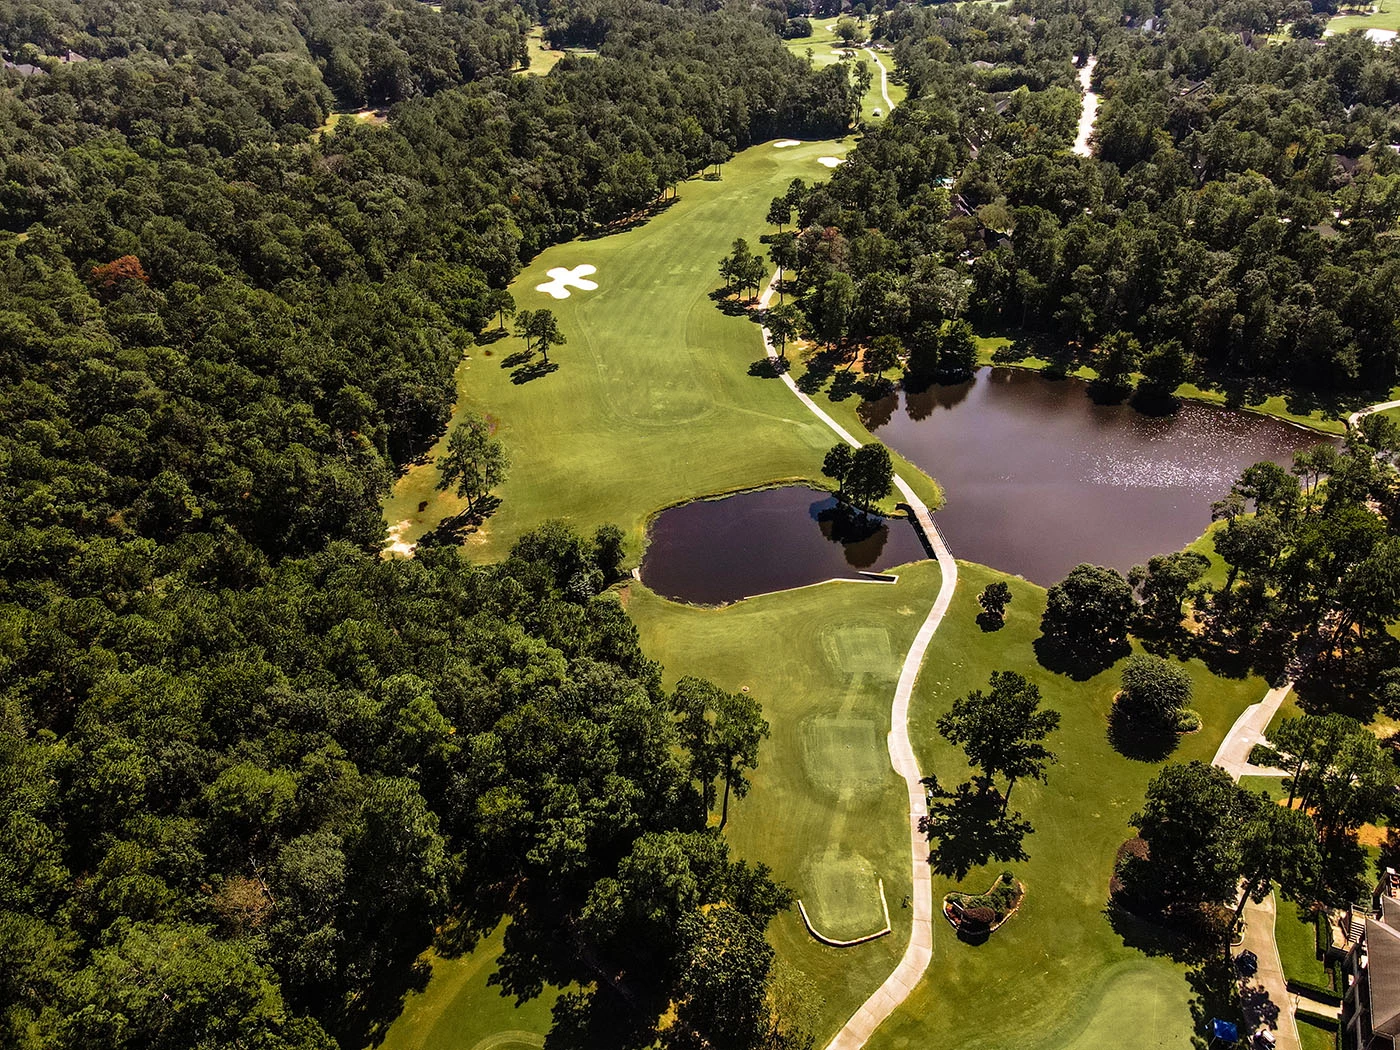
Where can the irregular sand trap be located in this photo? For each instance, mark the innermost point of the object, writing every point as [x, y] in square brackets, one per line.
[1380, 36]
[830, 162]
[396, 544]
[561, 280]
[785, 143]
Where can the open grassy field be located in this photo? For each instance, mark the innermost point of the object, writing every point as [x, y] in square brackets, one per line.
[543, 58]
[825, 48]
[1383, 14]
[826, 811]
[1297, 944]
[652, 403]
[1058, 975]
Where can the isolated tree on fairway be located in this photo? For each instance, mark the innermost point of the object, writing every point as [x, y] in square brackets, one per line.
[837, 466]
[524, 320]
[781, 322]
[474, 461]
[1002, 731]
[1086, 615]
[717, 155]
[871, 475]
[741, 269]
[1155, 692]
[994, 599]
[544, 329]
[502, 304]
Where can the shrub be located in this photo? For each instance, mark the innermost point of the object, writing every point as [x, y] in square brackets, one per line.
[978, 917]
[1188, 720]
[1155, 692]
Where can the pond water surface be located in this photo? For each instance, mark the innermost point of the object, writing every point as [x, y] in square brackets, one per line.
[1039, 478]
[721, 550]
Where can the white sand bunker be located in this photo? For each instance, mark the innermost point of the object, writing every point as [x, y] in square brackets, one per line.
[1381, 36]
[830, 162]
[785, 143]
[561, 280]
[398, 545]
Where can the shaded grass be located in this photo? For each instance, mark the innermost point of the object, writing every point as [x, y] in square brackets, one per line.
[1059, 974]
[1297, 944]
[459, 1009]
[815, 789]
[1316, 1033]
[652, 403]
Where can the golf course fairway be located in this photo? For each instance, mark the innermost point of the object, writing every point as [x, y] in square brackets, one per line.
[652, 403]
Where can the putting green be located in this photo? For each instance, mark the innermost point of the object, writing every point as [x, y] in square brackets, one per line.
[841, 893]
[652, 403]
[829, 843]
[844, 757]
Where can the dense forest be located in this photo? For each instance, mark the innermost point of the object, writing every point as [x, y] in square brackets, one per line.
[248, 770]
[1234, 223]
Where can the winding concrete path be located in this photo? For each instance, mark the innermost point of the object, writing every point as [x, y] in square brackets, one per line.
[1248, 730]
[884, 80]
[910, 969]
[1381, 406]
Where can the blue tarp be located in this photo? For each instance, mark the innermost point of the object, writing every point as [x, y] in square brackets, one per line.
[1225, 1031]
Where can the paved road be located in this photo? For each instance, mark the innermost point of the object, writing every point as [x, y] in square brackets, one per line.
[910, 969]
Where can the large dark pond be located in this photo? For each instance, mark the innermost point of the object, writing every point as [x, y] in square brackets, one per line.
[716, 551]
[1039, 478]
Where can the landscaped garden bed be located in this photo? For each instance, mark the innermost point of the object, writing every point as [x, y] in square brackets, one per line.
[977, 916]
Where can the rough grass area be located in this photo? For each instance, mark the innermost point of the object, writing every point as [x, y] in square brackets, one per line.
[652, 402]
[1297, 944]
[1060, 975]
[824, 717]
[458, 1009]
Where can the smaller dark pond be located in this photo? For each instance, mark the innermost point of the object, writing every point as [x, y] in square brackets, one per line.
[715, 551]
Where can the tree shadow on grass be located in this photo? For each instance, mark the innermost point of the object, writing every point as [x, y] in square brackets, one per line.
[518, 358]
[769, 367]
[843, 385]
[535, 370]
[967, 829]
[450, 532]
[493, 335]
[728, 306]
[1138, 742]
[630, 222]
[1077, 662]
[989, 622]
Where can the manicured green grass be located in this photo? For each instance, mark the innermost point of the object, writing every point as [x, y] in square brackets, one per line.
[542, 58]
[1058, 973]
[825, 48]
[1271, 786]
[652, 403]
[458, 1009]
[1316, 1033]
[826, 810]
[1297, 944]
[1386, 16]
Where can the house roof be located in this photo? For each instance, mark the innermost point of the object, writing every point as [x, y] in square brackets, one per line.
[1383, 968]
[24, 69]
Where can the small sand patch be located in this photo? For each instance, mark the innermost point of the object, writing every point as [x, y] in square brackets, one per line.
[1381, 36]
[785, 143]
[562, 279]
[830, 162]
[398, 546]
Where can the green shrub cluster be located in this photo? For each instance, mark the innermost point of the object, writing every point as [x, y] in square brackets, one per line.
[1001, 898]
